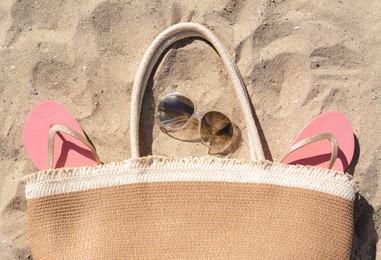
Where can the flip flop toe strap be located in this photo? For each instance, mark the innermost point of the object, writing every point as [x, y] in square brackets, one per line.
[304, 142]
[60, 128]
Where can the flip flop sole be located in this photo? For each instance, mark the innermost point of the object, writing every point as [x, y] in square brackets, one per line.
[319, 152]
[68, 151]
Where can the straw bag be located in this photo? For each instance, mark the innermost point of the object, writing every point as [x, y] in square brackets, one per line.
[190, 207]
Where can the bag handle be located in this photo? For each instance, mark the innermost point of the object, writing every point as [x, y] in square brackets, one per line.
[158, 46]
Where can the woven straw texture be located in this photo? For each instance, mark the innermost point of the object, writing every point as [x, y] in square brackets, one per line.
[200, 208]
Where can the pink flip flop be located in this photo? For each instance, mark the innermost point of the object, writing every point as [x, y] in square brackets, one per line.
[54, 139]
[326, 141]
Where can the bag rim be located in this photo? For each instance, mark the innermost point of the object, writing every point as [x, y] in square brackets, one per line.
[188, 169]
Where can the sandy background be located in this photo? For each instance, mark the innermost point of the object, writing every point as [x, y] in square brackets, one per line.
[297, 59]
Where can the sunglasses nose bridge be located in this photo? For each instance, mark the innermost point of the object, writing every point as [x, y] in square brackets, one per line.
[197, 115]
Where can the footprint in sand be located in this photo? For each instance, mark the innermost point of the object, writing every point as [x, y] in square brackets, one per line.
[117, 29]
[335, 67]
[289, 62]
[55, 73]
[31, 15]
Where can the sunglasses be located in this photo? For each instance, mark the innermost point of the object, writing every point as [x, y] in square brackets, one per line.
[177, 112]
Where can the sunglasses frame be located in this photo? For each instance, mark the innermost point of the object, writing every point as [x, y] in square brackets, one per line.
[196, 117]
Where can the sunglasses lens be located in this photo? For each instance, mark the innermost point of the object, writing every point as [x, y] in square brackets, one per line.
[216, 129]
[174, 111]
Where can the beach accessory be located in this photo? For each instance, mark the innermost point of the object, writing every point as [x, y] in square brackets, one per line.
[54, 139]
[326, 141]
[176, 111]
[159, 207]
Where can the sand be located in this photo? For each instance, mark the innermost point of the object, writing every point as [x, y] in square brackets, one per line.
[297, 59]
